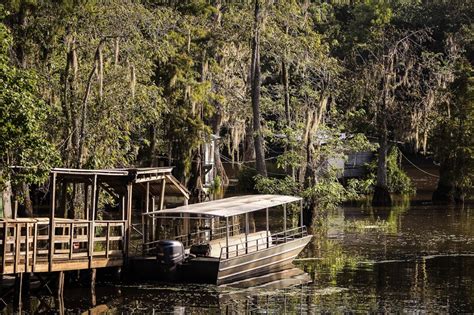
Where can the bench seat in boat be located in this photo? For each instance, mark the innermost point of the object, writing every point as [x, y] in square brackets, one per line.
[217, 245]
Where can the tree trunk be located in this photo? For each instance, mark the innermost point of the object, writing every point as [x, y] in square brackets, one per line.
[381, 194]
[7, 199]
[286, 91]
[255, 83]
[28, 205]
[447, 192]
[219, 167]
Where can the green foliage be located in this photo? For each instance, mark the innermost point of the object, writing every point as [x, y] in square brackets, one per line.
[169, 75]
[326, 194]
[454, 137]
[246, 179]
[285, 186]
[23, 140]
[397, 180]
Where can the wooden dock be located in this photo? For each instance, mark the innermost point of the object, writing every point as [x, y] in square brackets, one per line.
[35, 245]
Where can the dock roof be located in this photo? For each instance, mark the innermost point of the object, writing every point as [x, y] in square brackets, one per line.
[228, 207]
[117, 178]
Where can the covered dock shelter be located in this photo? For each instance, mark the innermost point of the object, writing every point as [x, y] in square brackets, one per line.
[94, 220]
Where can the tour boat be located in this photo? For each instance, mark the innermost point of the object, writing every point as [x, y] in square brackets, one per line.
[229, 240]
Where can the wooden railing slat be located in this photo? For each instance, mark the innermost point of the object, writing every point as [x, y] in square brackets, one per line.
[107, 240]
[35, 244]
[5, 233]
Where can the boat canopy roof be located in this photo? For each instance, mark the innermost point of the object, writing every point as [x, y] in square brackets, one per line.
[228, 207]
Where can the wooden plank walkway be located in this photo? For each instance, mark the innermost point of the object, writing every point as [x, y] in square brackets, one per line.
[36, 245]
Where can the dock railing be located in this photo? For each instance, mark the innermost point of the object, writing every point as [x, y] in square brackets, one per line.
[254, 245]
[35, 245]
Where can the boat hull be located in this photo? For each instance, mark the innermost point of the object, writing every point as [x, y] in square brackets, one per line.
[275, 258]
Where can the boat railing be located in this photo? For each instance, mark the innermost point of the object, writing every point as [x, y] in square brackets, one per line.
[254, 245]
[199, 237]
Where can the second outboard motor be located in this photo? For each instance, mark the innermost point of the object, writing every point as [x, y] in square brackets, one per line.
[170, 254]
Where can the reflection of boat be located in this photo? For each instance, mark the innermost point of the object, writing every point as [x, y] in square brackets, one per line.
[219, 250]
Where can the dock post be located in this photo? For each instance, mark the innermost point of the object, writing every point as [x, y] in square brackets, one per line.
[17, 299]
[93, 278]
[25, 294]
[60, 285]
[60, 293]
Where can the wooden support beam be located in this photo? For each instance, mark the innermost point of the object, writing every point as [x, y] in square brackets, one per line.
[4, 243]
[149, 179]
[86, 201]
[51, 221]
[71, 239]
[94, 198]
[107, 241]
[145, 218]
[27, 246]
[162, 195]
[17, 247]
[178, 185]
[128, 226]
[35, 244]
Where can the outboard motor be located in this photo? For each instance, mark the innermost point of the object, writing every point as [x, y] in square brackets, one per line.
[169, 254]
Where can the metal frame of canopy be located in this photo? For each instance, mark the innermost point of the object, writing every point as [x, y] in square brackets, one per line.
[230, 207]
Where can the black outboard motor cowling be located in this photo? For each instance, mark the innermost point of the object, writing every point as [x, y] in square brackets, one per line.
[170, 252]
[169, 256]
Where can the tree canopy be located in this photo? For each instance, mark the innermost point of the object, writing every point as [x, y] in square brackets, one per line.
[144, 83]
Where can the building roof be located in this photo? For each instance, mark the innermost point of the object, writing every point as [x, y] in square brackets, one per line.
[228, 207]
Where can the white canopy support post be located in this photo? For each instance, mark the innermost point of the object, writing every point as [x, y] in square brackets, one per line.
[153, 228]
[227, 237]
[284, 222]
[301, 213]
[147, 205]
[246, 233]
[267, 227]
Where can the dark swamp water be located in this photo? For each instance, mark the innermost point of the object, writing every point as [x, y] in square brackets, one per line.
[413, 257]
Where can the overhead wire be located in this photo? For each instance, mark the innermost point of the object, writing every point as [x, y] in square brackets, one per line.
[415, 166]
